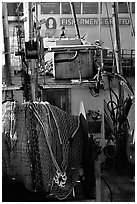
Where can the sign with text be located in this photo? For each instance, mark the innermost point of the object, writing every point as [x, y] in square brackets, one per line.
[92, 21]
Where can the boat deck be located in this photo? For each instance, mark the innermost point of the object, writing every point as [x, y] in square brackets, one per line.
[122, 188]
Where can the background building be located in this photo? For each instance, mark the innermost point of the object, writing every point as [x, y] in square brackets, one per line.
[52, 16]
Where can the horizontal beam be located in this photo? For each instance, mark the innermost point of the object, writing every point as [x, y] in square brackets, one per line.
[71, 48]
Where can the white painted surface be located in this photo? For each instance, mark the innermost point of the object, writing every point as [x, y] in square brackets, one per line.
[90, 103]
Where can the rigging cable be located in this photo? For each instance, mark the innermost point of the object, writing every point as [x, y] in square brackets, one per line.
[131, 21]
[17, 9]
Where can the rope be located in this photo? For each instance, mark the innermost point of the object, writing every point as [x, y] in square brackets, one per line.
[65, 158]
[52, 170]
[55, 123]
[34, 151]
[17, 9]
[46, 134]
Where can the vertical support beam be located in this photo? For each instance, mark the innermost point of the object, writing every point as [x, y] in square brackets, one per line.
[117, 48]
[32, 63]
[99, 19]
[37, 24]
[26, 20]
[129, 6]
[77, 32]
[38, 49]
[19, 28]
[7, 69]
[19, 39]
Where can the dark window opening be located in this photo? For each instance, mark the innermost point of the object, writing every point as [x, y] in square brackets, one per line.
[66, 9]
[12, 9]
[122, 7]
[133, 7]
[50, 8]
[57, 97]
[91, 7]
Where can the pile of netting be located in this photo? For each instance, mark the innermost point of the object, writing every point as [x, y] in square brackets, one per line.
[41, 147]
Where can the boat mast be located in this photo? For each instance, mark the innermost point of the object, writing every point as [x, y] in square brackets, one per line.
[99, 18]
[7, 69]
[32, 64]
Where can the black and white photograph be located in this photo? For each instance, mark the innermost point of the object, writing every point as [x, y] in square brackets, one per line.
[68, 101]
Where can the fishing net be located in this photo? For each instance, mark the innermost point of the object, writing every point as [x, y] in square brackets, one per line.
[42, 147]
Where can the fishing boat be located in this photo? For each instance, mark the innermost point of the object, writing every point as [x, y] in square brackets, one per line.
[71, 83]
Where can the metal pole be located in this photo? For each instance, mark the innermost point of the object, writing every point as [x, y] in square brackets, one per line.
[117, 49]
[75, 19]
[99, 19]
[129, 6]
[32, 64]
[38, 50]
[30, 22]
[78, 35]
[7, 69]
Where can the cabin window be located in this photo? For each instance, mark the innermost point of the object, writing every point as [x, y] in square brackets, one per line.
[91, 8]
[50, 8]
[12, 9]
[58, 97]
[122, 7]
[133, 7]
[66, 9]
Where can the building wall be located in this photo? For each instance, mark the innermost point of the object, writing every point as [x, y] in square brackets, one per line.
[88, 24]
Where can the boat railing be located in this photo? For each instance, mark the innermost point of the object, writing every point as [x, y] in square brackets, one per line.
[128, 61]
